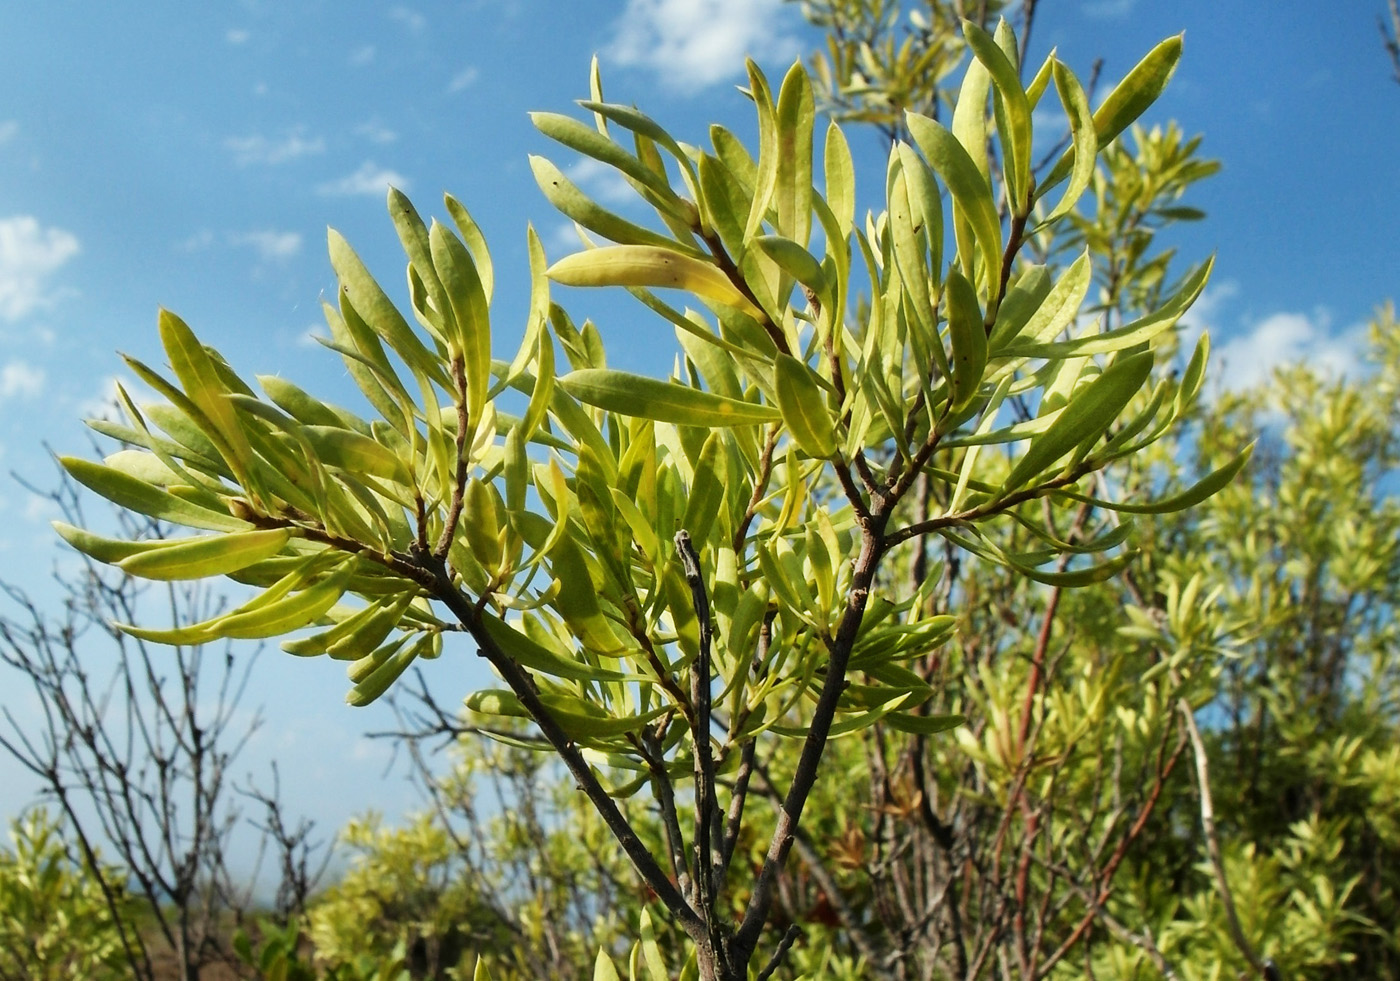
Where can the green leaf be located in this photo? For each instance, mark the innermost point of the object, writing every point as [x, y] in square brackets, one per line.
[794, 260]
[1087, 415]
[1013, 114]
[536, 657]
[603, 969]
[923, 725]
[802, 402]
[707, 490]
[650, 398]
[291, 613]
[792, 192]
[565, 195]
[1202, 489]
[766, 177]
[1056, 312]
[386, 672]
[467, 296]
[587, 140]
[202, 558]
[1085, 140]
[839, 171]
[1129, 100]
[204, 387]
[379, 314]
[632, 119]
[1140, 331]
[496, 701]
[139, 496]
[971, 192]
[476, 242]
[968, 335]
[355, 454]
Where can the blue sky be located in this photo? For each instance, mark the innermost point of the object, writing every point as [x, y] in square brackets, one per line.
[192, 156]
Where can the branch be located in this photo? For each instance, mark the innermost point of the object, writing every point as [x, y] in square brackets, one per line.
[523, 686]
[1217, 862]
[873, 547]
[459, 478]
[708, 840]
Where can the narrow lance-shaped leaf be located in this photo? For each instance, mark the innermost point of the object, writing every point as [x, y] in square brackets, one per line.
[970, 190]
[1140, 331]
[565, 195]
[1013, 114]
[650, 266]
[766, 178]
[796, 113]
[589, 141]
[202, 558]
[470, 313]
[1202, 489]
[378, 312]
[969, 340]
[139, 496]
[839, 171]
[802, 402]
[651, 398]
[1088, 414]
[1084, 140]
[1129, 100]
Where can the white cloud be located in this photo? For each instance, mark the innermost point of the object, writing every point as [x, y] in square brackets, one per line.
[409, 18]
[8, 129]
[197, 242]
[259, 149]
[237, 35]
[104, 404]
[29, 255]
[369, 179]
[463, 79]
[605, 183]
[376, 132]
[271, 246]
[1251, 358]
[691, 44]
[19, 379]
[362, 56]
[1108, 9]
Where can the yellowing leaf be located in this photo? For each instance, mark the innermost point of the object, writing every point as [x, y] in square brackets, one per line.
[212, 555]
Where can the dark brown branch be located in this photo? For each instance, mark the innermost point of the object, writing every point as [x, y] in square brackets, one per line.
[873, 546]
[708, 834]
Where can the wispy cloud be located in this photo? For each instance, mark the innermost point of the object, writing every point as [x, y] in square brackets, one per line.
[411, 19]
[197, 242]
[362, 56]
[691, 44]
[463, 79]
[1251, 358]
[270, 245]
[29, 255]
[369, 179]
[606, 183]
[1248, 355]
[237, 35]
[260, 149]
[20, 379]
[8, 129]
[376, 132]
